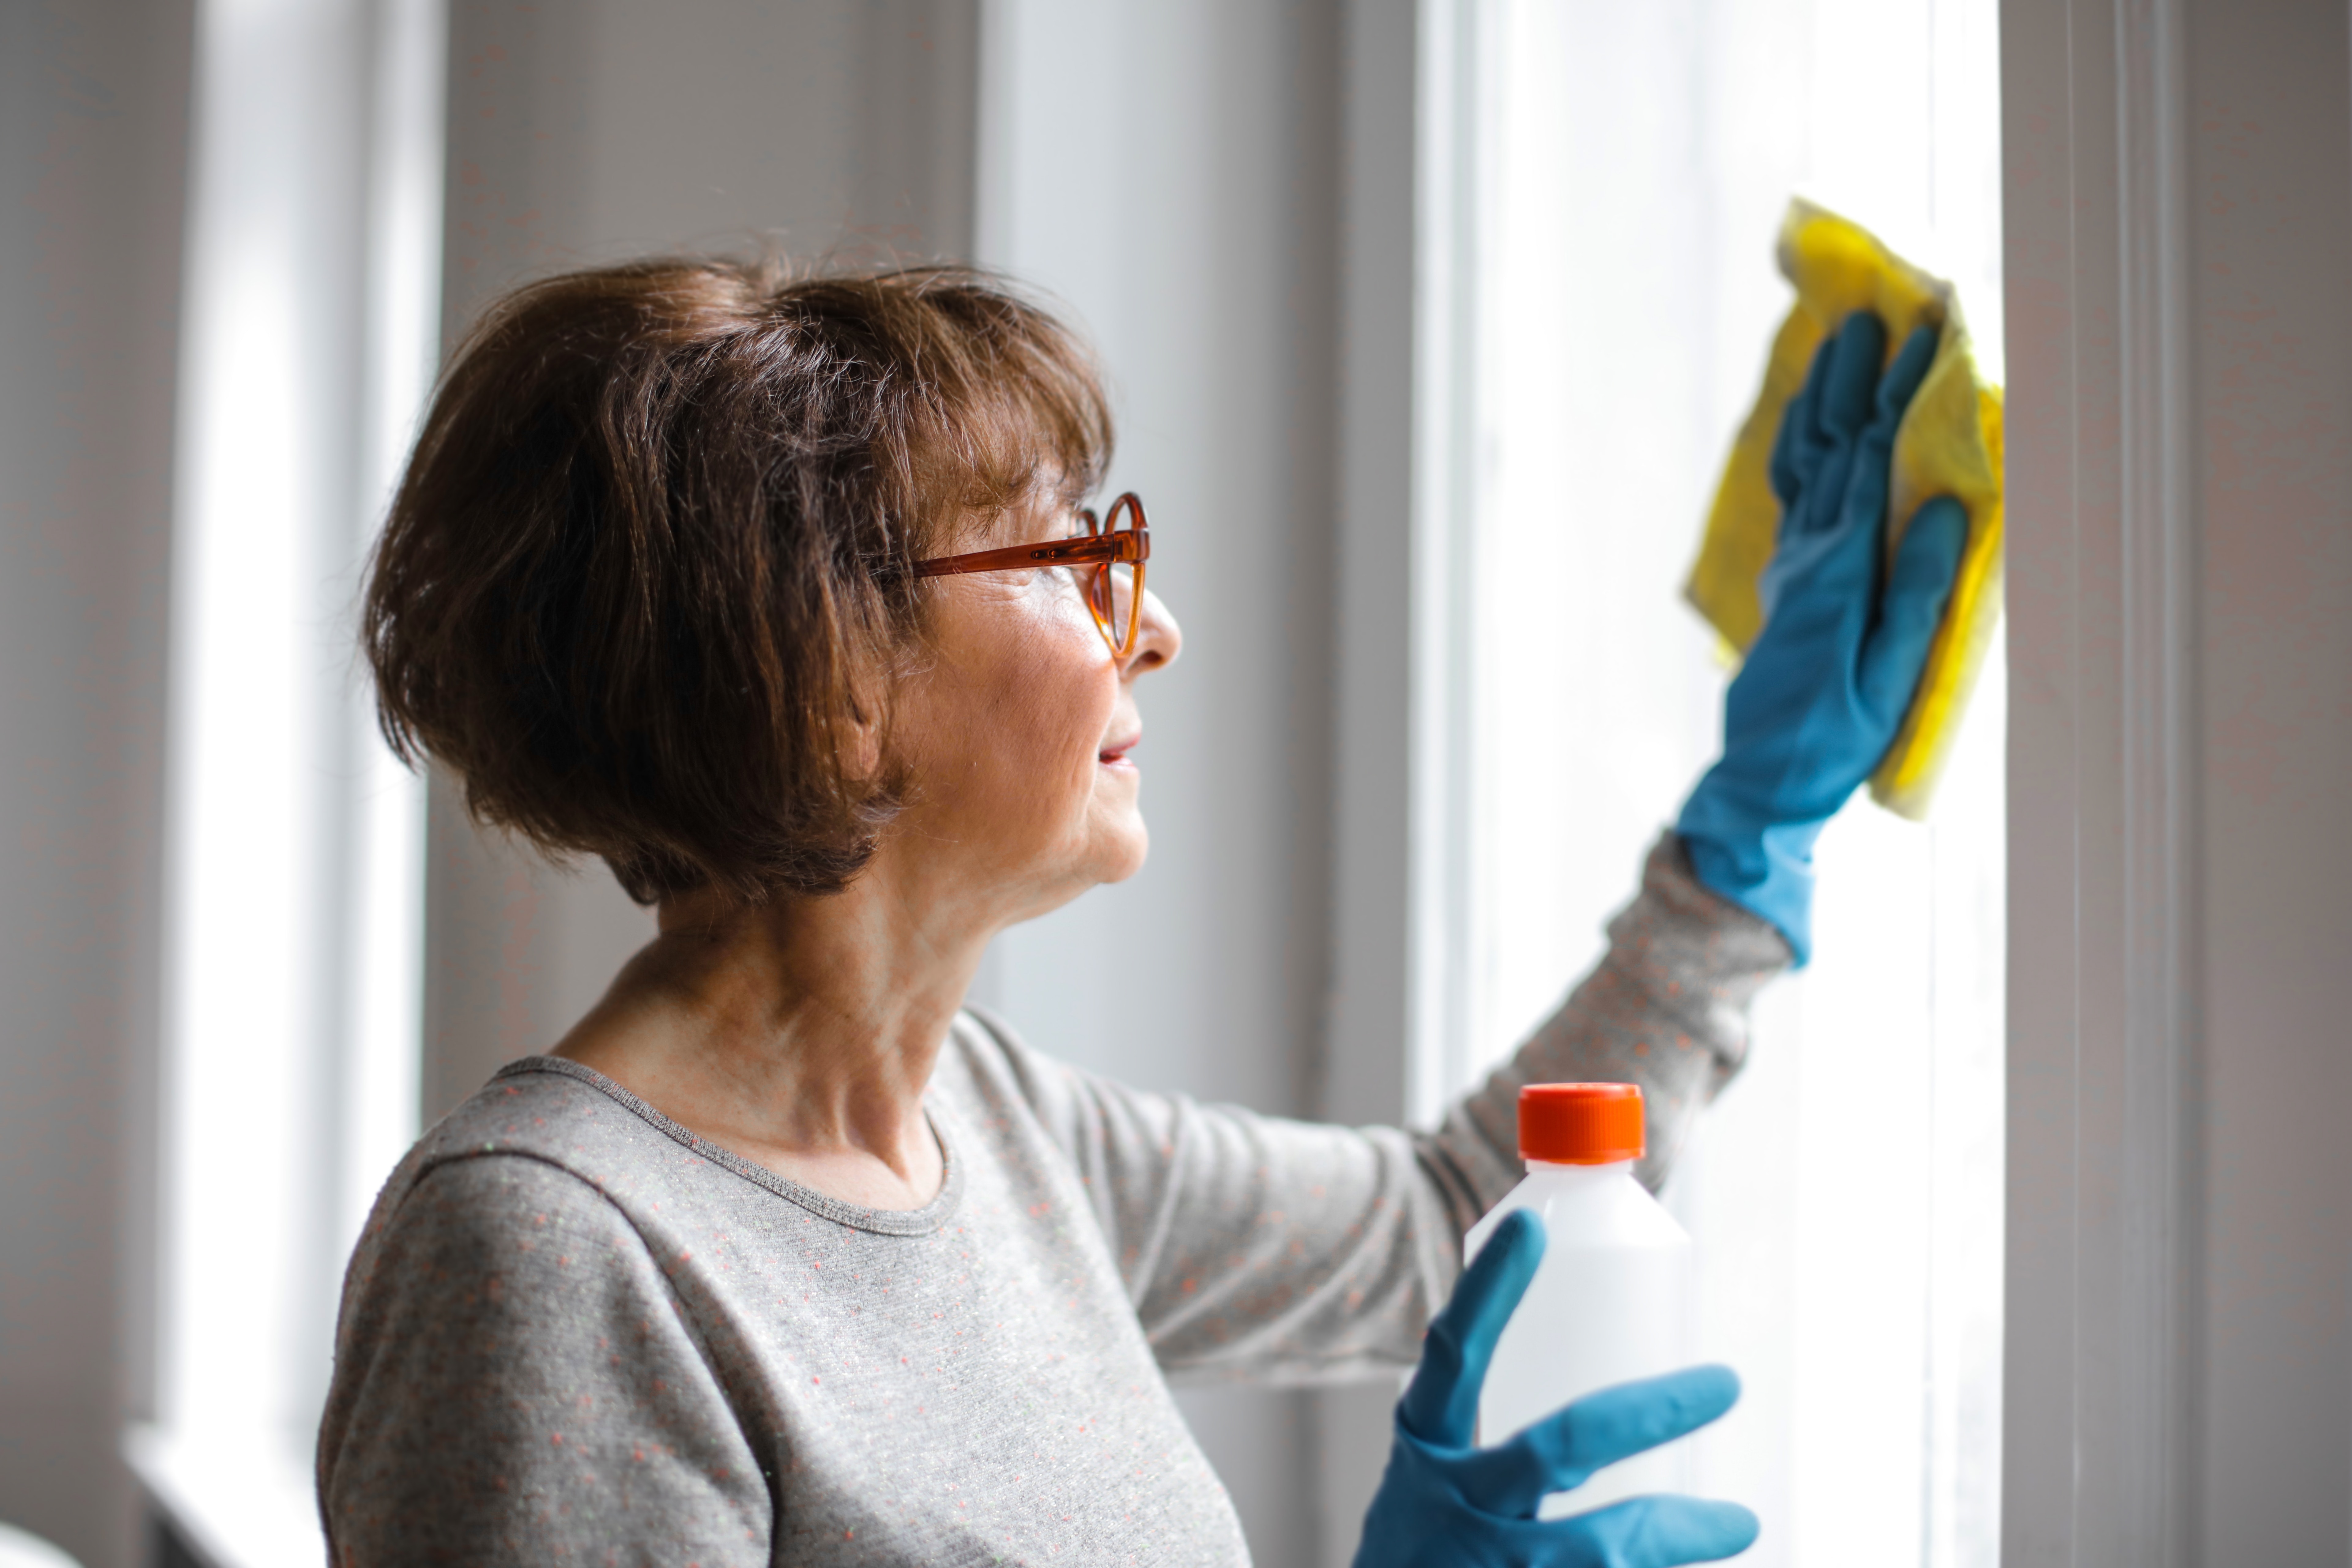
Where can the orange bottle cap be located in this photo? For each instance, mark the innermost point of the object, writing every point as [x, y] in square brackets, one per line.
[1581, 1123]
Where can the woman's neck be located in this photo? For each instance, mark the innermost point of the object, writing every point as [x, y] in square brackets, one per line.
[799, 1034]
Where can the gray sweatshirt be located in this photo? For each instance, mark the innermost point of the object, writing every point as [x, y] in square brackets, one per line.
[576, 1332]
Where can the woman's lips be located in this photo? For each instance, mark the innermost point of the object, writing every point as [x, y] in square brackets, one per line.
[1115, 754]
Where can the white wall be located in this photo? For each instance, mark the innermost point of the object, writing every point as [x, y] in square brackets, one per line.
[93, 108]
[2179, 1377]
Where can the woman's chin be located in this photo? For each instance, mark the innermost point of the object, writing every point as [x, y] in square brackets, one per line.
[1121, 847]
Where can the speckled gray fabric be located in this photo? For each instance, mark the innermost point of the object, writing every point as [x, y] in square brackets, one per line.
[1666, 1008]
[572, 1331]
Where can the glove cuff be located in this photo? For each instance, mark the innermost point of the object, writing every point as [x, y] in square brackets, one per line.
[1766, 870]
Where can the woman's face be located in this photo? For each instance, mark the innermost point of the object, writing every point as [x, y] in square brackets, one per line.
[1018, 733]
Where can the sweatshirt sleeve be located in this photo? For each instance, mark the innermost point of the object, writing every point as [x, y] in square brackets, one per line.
[514, 1383]
[1254, 1247]
[1292, 1252]
[1666, 1008]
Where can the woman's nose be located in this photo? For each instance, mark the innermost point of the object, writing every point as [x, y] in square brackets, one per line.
[1158, 640]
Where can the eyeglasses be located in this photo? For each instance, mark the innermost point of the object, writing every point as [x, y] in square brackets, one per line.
[1108, 563]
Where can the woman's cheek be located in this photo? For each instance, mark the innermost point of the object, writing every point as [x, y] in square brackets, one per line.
[1069, 696]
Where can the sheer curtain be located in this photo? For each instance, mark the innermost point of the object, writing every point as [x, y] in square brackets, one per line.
[1608, 189]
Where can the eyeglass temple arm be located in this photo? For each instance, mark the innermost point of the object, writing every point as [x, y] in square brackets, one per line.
[1125, 546]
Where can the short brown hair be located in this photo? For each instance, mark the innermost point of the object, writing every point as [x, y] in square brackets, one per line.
[652, 551]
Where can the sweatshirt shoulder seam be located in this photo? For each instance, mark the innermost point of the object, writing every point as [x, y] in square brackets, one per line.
[682, 1309]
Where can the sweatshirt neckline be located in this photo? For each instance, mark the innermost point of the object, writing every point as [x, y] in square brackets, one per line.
[923, 1221]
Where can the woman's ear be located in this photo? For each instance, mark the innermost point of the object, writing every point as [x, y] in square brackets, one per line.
[859, 739]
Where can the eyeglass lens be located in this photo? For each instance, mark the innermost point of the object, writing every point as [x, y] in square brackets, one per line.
[1111, 596]
[1111, 589]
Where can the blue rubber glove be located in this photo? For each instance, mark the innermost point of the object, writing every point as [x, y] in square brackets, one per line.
[1818, 701]
[1443, 1502]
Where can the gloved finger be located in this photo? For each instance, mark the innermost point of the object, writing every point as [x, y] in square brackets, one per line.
[1798, 443]
[1562, 1451]
[1440, 1405]
[1862, 510]
[1839, 414]
[1851, 573]
[1659, 1532]
[1918, 586]
[1852, 390]
[1811, 438]
[1901, 382]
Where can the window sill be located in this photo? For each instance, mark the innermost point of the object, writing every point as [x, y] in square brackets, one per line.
[240, 1498]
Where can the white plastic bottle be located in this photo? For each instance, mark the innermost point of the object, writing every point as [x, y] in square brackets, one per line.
[1611, 1299]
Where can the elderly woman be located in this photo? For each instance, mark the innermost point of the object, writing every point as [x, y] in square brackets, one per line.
[779, 598]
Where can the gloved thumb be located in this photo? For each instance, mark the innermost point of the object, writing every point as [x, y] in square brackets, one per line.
[1440, 1405]
[1912, 607]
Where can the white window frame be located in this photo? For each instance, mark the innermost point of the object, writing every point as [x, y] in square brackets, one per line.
[2104, 978]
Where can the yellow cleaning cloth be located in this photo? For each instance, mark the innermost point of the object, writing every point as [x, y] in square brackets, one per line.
[1950, 444]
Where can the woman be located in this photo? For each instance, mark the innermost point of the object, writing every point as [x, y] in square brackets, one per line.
[769, 593]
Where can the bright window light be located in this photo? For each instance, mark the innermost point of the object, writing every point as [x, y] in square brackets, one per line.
[1608, 184]
[296, 842]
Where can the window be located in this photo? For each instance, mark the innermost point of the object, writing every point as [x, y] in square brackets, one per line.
[1602, 189]
[296, 841]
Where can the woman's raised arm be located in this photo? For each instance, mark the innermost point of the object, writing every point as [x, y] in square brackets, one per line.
[1260, 1248]
[1666, 1008]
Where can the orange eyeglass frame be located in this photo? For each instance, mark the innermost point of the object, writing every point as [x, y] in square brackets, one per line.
[1105, 545]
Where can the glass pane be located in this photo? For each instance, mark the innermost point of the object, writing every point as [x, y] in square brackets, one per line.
[1631, 167]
